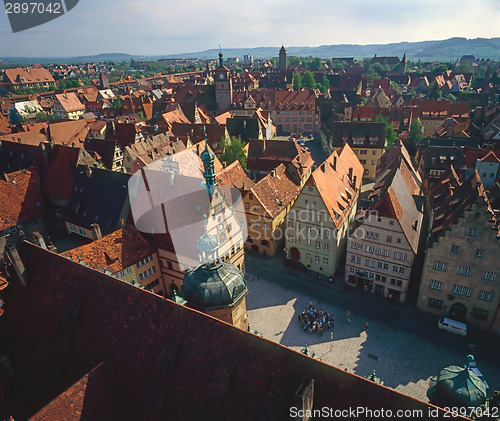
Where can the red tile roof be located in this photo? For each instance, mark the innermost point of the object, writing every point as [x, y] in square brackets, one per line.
[336, 188]
[275, 191]
[234, 176]
[167, 361]
[69, 133]
[21, 198]
[70, 102]
[26, 138]
[30, 74]
[113, 252]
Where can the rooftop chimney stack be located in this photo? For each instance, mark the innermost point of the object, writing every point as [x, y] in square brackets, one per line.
[335, 163]
[39, 241]
[305, 395]
[350, 173]
[17, 264]
[96, 231]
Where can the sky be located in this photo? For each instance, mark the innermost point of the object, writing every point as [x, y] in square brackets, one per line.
[161, 27]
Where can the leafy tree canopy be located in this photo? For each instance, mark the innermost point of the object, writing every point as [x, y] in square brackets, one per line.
[232, 150]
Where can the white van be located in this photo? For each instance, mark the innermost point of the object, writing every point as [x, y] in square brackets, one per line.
[452, 326]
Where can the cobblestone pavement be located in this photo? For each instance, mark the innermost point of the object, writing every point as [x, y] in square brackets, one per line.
[405, 362]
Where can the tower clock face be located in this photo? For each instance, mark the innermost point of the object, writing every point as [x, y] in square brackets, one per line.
[221, 76]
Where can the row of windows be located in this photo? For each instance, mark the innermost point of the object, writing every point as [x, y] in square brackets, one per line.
[374, 236]
[128, 271]
[144, 261]
[147, 272]
[317, 244]
[465, 271]
[152, 285]
[454, 249]
[365, 152]
[377, 277]
[477, 313]
[312, 230]
[461, 290]
[316, 259]
[256, 225]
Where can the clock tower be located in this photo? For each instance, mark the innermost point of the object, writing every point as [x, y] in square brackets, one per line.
[223, 86]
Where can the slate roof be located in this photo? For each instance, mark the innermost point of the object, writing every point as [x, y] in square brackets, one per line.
[165, 361]
[21, 198]
[105, 148]
[100, 198]
[370, 134]
[113, 252]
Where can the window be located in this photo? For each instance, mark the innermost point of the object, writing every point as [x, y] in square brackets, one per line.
[297, 239]
[440, 266]
[464, 271]
[400, 256]
[308, 257]
[454, 248]
[357, 246]
[325, 261]
[462, 290]
[386, 266]
[433, 303]
[129, 270]
[122, 273]
[257, 224]
[486, 295]
[247, 205]
[316, 259]
[326, 233]
[472, 231]
[398, 241]
[326, 246]
[379, 265]
[265, 226]
[479, 252]
[318, 244]
[437, 285]
[309, 242]
[290, 224]
[479, 313]
[389, 239]
[489, 276]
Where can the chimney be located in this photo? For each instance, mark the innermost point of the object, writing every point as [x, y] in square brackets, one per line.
[304, 398]
[39, 241]
[88, 171]
[323, 167]
[264, 145]
[17, 264]
[350, 173]
[335, 163]
[96, 231]
[354, 181]
[198, 148]
[273, 173]
[6, 177]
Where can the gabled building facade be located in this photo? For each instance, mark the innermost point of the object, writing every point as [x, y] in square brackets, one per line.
[462, 269]
[384, 241]
[318, 222]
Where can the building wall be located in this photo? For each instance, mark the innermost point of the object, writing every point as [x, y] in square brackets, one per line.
[153, 282]
[311, 231]
[463, 268]
[375, 253]
[488, 172]
[235, 315]
[368, 158]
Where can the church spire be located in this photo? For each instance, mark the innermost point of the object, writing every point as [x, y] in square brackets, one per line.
[208, 158]
[221, 60]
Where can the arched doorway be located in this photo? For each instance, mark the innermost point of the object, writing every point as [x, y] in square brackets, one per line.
[294, 253]
[457, 312]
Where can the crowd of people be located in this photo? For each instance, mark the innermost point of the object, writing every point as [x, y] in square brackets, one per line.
[315, 320]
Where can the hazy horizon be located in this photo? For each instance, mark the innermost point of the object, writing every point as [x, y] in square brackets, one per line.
[153, 27]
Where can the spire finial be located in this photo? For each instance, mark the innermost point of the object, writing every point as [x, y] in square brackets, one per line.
[221, 61]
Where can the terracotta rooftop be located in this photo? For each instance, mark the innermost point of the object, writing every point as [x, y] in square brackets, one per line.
[234, 175]
[69, 133]
[70, 102]
[27, 138]
[165, 361]
[339, 191]
[29, 74]
[113, 252]
[275, 191]
[21, 198]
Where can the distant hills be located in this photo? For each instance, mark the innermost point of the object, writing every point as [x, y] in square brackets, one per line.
[445, 50]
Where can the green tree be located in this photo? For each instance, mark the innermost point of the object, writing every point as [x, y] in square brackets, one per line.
[294, 61]
[308, 80]
[416, 132]
[390, 134]
[464, 68]
[297, 80]
[329, 64]
[324, 85]
[315, 63]
[451, 97]
[233, 150]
